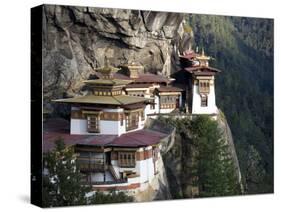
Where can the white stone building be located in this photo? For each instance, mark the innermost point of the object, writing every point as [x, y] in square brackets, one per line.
[200, 77]
[107, 126]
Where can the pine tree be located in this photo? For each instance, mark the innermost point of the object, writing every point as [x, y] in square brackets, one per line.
[255, 172]
[62, 184]
[61, 178]
[214, 167]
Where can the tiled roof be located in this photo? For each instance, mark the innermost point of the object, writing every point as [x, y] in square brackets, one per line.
[194, 69]
[107, 82]
[169, 89]
[138, 138]
[139, 85]
[150, 78]
[59, 128]
[108, 100]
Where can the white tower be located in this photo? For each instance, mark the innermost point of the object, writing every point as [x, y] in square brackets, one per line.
[203, 98]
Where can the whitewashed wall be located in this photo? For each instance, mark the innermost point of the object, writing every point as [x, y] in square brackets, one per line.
[144, 168]
[196, 102]
[99, 176]
[107, 127]
[166, 110]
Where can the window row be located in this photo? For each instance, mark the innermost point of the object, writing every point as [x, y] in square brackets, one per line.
[168, 99]
[107, 93]
[167, 106]
[132, 121]
[204, 86]
[126, 159]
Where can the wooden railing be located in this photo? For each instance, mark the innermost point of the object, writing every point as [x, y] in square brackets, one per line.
[90, 165]
[110, 182]
[88, 182]
[132, 127]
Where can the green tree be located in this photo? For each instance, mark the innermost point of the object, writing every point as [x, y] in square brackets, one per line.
[243, 49]
[62, 179]
[62, 185]
[112, 197]
[214, 169]
[255, 172]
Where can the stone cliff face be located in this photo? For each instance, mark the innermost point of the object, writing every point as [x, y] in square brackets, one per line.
[77, 39]
[179, 160]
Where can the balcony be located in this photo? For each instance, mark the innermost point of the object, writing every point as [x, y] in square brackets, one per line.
[109, 182]
[132, 127]
[87, 165]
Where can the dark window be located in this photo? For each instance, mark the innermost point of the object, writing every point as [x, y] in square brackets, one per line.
[204, 87]
[204, 101]
[126, 159]
[132, 121]
[93, 123]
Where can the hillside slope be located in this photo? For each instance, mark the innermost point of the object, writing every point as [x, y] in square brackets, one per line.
[243, 49]
[181, 161]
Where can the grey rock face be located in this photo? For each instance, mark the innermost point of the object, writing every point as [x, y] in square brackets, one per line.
[77, 39]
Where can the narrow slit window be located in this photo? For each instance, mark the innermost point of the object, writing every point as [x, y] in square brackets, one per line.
[204, 101]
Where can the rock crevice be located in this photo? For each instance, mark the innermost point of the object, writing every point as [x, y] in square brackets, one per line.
[80, 37]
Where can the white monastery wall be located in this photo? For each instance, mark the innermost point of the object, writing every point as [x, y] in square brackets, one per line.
[78, 126]
[99, 176]
[211, 102]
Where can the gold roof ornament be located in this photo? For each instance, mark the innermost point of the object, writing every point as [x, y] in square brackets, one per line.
[203, 56]
[107, 70]
[107, 76]
[133, 68]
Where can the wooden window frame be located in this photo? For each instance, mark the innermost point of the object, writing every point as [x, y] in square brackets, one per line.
[204, 101]
[127, 159]
[93, 125]
[132, 121]
[204, 86]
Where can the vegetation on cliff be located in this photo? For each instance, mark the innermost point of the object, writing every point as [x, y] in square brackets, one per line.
[243, 49]
[207, 167]
[213, 168]
[62, 182]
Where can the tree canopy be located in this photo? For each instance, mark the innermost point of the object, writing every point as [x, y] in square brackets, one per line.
[62, 181]
[243, 49]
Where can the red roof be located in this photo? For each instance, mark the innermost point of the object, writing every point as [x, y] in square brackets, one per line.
[188, 54]
[138, 85]
[59, 128]
[151, 78]
[138, 138]
[201, 70]
[169, 89]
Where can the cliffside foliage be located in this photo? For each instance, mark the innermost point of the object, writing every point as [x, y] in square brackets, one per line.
[207, 168]
[213, 169]
[243, 49]
[61, 179]
[62, 185]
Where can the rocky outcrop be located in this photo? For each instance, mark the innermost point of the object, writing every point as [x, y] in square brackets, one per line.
[77, 39]
[179, 162]
[158, 189]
